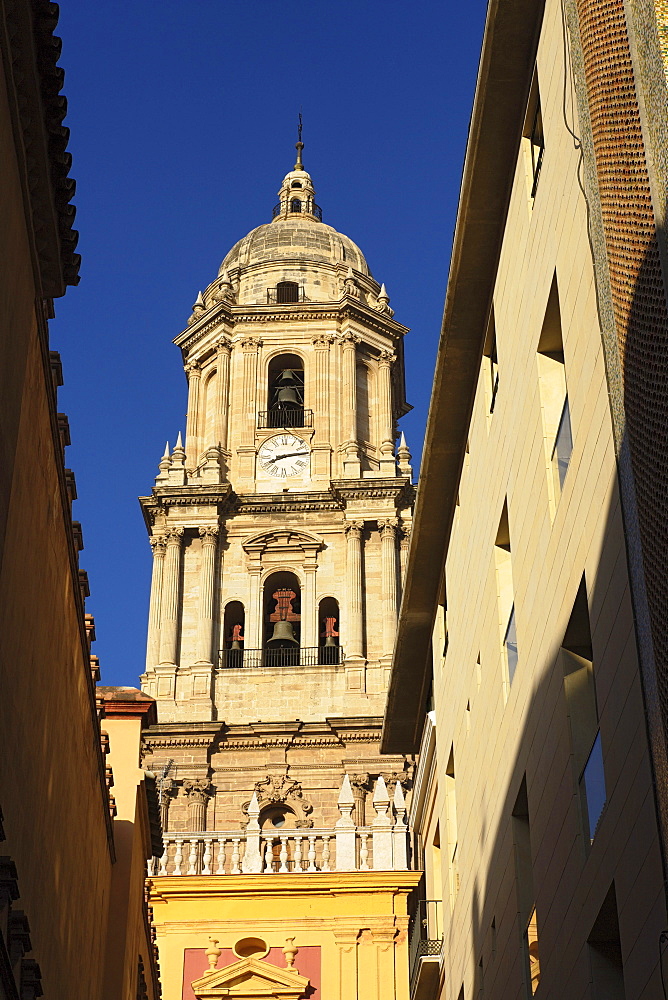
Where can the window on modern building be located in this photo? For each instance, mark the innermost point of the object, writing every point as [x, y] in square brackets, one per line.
[295, 205]
[287, 291]
[580, 690]
[504, 585]
[533, 139]
[555, 409]
[490, 365]
[605, 951]
[451, 825]
[526, 900]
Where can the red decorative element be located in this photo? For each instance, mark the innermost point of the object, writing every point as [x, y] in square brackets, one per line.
[236, 633]
[329, 631]
[284, 612]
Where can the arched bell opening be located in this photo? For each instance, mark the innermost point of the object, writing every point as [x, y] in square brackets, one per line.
[285, 402]
[281, 620]
[328, 631]
[234, 621]
[286, 292]
[278, 818]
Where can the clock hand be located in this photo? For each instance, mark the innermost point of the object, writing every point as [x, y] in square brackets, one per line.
[287, 454]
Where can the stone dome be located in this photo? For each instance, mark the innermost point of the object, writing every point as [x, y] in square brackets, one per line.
[295, 239]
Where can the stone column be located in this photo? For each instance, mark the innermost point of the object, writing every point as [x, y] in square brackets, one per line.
[351, 459]
[354, 638]
[198, 792]
[246, 450]
[207, 578]
[309, 609]
[388, 558]
[388, 463]
[167, 789]
[223, 352]
[321, 447]
[157, 543]
[170, 596]
[360, 786]
[253, 627]
[194, 372]
[404, 546]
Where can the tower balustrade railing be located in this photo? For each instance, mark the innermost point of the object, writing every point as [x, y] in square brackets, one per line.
[227, 853]
[291, 656]
[284, 416]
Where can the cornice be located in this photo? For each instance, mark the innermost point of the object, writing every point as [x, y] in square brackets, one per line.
[278, 503]
[346, 308]
[286, 884]
[375, 489]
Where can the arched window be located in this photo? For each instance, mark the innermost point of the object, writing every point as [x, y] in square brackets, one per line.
[281, 620]
[295, 205]
[287, 291]
[232, 654]
[285, 405]
[329, 650]
[296, 184]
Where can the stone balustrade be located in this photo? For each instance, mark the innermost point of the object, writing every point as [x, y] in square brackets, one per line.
[227, 853]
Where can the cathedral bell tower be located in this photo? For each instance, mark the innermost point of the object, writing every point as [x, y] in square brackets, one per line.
[279, 524]
[279, 528]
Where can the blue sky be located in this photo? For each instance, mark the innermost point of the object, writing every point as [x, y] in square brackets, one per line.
[183, 120]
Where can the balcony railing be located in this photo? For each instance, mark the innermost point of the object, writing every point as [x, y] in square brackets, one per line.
[311, 208]
[285, 416]
[293, 656]
[282, 296]
[425, 942]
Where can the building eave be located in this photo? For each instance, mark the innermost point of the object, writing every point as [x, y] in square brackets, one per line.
[504, 77]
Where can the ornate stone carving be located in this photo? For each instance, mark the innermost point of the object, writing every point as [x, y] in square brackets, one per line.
[387, 358]
[192, 368]
[158, 544]
[198, 789]
[279, 790]
[353, 527]
[322, 341]
[208, 535]
[350, 339]
[388, 526]
[173, 535]
[250, 344]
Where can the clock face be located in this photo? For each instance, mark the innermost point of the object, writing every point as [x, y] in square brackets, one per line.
[284, 455]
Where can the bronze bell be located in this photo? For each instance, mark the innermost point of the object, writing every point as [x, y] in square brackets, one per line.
[235, 644]
[283, 635]
[287, 396]
[330, 641]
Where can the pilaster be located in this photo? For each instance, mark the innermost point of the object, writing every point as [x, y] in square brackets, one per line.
[349, 446]
[193, 446]
[157, 543]
[388, 542]
[388, 465]
[223, 353]
[354, 638]
[246, 450]
[170, 598]
[321, 448]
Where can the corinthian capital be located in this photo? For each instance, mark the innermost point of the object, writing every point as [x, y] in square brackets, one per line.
[192, 369]
[388, 526]
[197, 789]
[353, 528]
[157, 543]
[322, 341]
[209, 535]
[250, 344]
[387, 358]
[350, 339]
[173, 536]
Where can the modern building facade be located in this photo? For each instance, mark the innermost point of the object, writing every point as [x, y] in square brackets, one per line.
[529, 669]
[278, 526]
[60, 837]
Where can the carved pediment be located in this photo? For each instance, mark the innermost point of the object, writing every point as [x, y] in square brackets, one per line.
[283, 540]
[251, 979]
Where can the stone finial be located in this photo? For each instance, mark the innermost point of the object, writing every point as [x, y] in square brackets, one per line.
[381, 802]
[199, 306]
[404, 456]
[350, 285]
[384, 301]
[165, 464]
[212, 953]
[399, 800]
[178, 467]
[253, 813]
[346, 803]
[290, 951]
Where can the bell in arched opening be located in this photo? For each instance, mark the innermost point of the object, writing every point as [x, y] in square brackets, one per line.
[282, 647]
[288, 390]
